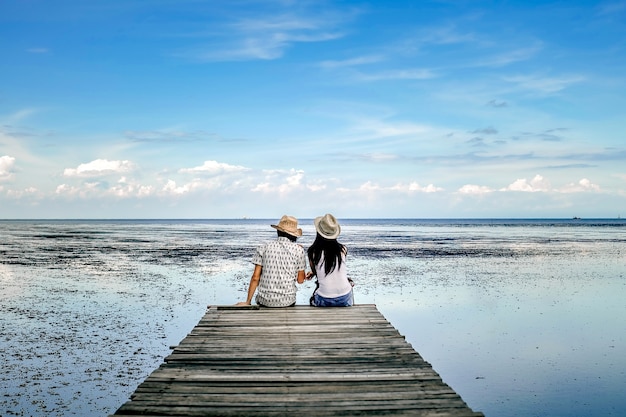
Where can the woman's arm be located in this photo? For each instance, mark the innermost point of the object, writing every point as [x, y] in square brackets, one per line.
[301, 276]
[313, 271]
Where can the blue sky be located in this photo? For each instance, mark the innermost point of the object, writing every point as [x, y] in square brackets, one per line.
[233, 108]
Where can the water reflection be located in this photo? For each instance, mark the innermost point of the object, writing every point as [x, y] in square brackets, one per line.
[520, 318]
[524, 339]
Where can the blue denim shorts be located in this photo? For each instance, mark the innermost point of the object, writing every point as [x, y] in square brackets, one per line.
[341, 301]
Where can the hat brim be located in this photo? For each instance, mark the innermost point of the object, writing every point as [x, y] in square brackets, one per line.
[296, 233]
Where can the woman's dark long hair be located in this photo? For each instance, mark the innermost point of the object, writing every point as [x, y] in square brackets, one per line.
[331, 249]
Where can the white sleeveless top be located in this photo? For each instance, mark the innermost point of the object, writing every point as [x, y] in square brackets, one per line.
[334, 284]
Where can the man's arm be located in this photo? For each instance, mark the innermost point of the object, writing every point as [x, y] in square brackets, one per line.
[254, 283]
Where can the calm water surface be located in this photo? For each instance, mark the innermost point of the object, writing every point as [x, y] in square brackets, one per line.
[520, 317]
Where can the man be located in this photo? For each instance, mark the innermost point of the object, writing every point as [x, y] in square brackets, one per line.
[278, 265]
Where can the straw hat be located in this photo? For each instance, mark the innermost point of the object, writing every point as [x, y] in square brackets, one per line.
[327, 226]
[288, 224]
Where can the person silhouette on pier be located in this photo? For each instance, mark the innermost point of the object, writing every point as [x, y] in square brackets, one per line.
[327, 258]
[278, 265]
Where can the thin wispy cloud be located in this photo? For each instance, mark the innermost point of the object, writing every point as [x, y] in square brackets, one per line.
[351, 62]
[267, 37]
[169, 136]
[497, 104]
[477, 142]
[486, 131]
[398, 74]
[204, 107]
[544, 85]
[546, 136]
[19, 115]
[447, 35]
[380, 128]
[612, 8]
[38, 50]
[380, 157]
[509, 57]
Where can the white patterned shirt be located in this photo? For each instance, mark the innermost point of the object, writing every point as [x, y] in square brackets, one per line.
[280, 260]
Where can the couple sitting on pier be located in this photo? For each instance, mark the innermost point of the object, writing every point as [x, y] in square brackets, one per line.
[279, 264]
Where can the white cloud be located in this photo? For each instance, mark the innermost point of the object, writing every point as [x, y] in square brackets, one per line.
[415, 187]
[126, 189]
[69, 190]
[171, 188]
[581, 186]
[371, 188]
[295, 178]
[475, 189]
[213, 168]
[538, 183]
[282, 182]
[26, 192]
[6, 167]
[316, 187]
[99, 167]
[85, 190]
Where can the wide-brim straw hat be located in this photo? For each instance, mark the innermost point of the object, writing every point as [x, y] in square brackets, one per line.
[289, 225]
[327, 226]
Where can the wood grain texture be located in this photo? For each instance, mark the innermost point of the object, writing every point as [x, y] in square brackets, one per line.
[295, 361]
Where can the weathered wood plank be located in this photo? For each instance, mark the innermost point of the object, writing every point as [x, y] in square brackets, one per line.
[294, 361]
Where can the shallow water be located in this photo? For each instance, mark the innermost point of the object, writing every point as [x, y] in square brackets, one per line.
[521, 318]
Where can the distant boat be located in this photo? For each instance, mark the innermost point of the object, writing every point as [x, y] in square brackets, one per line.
[576, 218]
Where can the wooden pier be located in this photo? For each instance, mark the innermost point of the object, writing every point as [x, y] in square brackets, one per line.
[296, 361]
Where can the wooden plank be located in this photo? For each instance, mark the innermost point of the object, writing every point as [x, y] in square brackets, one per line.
[294, 361]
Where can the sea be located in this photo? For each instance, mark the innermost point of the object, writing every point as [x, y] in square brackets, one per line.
[521, 317]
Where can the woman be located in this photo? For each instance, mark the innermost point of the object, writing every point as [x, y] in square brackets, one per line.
[327, 258]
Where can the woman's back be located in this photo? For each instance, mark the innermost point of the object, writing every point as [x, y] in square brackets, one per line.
[327, 258]
[335, 283]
